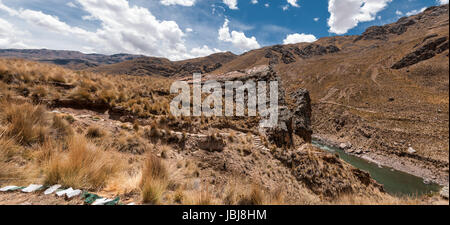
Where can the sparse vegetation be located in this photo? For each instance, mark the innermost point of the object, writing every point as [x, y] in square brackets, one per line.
[83, 165]
[154, 180]
[26, 123]
[95, 132]
[7, 150]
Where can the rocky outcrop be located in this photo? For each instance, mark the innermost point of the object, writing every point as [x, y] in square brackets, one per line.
[382, 32]
[403, 24]
[288, 53]
[326, 174]
[315, 50]
[294, 125]
[428, 50]
[286, 56]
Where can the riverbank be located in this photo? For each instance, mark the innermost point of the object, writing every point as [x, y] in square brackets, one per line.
[406, 165]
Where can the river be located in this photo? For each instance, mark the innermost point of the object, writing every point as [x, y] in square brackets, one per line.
[395, 182]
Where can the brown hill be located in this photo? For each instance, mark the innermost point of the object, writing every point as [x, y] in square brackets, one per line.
[164, 67]
[69, 59]
[383, 91]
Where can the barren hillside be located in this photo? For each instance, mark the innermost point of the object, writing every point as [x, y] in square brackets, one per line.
[384, 92]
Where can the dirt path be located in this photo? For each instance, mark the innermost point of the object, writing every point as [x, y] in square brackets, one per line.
[374, 76]
[347, 106]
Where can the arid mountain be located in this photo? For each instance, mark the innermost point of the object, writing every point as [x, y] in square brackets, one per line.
[69, 59]
[384, 93]
[166, 68]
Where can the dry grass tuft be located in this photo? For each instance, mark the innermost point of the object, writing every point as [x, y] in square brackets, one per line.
[62, 126]
[95, 132]
[7, 150]
[26, 123]
[154, 180]
[83, 166]
[201, 197]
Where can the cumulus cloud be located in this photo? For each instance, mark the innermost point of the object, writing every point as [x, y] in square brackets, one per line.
[254, 1]
[232, 4]
[204, 51]
[298, 38]
[238, 39]
[178, 2]
[442, 2]
[123, 28]
[346, 14]
[9, 36]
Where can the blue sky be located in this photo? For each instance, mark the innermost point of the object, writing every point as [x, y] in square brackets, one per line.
[180, 29]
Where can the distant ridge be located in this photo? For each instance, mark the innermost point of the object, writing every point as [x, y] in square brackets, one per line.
[69, 59]
[166, 68]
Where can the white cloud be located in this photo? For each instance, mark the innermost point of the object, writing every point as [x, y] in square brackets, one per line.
[267, 5]
[293, 3]
[5, 8]
[442, 2]
[232, 4]
[123, 28]
[346, 14]
[51, 23]
[189, 30]
[203, 51]
[316, 19]
[71, 4]
[414, 12]
[238, 39]
[298, 38]
[9, 36]
[399, 13]
[254, 1]
[178, 2]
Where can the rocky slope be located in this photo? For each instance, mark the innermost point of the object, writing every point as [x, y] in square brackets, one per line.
[163, 67]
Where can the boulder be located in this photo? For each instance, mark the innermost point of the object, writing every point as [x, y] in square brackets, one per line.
[345, 146]
[411, 150]
[359, 152]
